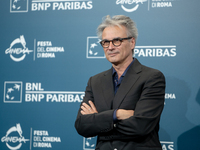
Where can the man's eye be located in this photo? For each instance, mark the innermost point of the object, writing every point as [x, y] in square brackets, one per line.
[116, 40]
[106, 42]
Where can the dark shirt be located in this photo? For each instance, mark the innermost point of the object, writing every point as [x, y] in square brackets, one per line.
[117, 83]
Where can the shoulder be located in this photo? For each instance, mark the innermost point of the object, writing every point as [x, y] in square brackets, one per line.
[150, 70]
[145, 71]
[102, 74]
[153, 76]
[100, 77]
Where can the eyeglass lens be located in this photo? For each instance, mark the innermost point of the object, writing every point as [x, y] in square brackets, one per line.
[115, 42]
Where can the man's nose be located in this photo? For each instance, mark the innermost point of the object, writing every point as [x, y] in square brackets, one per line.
[111, 46]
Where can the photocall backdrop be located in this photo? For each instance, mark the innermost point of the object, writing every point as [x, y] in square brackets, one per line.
[49, 49]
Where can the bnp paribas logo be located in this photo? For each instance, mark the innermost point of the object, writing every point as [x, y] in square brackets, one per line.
[18, 6]
[89, 143]
[12, 92]
[94, 48]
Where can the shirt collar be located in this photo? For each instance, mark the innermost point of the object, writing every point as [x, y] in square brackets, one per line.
[114, 71]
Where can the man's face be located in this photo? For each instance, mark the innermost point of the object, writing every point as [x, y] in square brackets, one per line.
[122, 53]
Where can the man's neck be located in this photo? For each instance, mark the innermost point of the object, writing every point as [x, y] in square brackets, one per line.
[121, 67]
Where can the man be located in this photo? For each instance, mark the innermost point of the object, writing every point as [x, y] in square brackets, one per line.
[122, 106]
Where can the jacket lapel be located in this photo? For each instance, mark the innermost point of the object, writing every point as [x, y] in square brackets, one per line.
[108, 88]
[128, 81]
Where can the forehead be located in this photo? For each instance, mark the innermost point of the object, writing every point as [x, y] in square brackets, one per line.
[113, 32]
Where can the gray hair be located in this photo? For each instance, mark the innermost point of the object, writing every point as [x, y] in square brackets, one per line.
[119, 20]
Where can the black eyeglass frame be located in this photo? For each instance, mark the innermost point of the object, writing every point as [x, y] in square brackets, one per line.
[120, 39]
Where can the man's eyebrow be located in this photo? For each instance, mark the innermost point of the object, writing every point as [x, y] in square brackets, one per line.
[112, 39]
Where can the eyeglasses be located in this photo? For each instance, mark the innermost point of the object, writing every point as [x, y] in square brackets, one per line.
[116, 42]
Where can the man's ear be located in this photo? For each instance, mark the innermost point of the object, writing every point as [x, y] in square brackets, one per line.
[132, 43]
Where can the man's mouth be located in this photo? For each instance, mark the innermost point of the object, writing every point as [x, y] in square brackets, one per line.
[112, 53]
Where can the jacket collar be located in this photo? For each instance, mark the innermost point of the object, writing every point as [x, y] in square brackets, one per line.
[132, 75]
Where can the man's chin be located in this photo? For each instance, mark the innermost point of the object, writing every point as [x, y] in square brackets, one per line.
[113, 61]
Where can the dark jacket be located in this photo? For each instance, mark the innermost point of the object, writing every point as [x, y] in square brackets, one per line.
[142, 90]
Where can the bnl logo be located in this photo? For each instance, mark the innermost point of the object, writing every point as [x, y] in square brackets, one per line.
[89, 143]
[94, 49]
[12, 92]
[17, 6]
